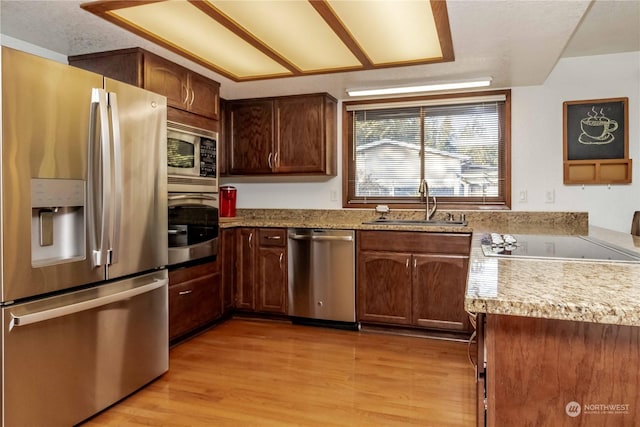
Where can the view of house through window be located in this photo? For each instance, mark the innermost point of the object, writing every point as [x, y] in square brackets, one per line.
[458, 145]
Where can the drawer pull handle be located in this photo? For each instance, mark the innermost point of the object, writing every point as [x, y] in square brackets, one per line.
[273, 237]
[187, 292]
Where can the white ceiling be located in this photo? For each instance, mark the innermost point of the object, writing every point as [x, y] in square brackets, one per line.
[516, 42]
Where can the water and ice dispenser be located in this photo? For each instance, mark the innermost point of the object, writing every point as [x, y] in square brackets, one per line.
[58, 209]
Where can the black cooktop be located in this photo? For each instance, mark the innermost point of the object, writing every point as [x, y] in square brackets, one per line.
[554, 246]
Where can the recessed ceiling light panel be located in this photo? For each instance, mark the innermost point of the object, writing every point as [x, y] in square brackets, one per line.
[181, 24]
[294, 30]
[259, 39]
[391, 31]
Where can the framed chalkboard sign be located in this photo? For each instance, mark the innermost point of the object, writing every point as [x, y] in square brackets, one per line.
[596, 141]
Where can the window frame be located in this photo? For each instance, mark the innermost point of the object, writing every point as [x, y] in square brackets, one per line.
[348, 161]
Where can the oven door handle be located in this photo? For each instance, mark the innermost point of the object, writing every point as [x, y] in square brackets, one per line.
[192, 196]
[177, 231]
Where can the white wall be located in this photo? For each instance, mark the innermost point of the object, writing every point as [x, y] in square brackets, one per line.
[537, 138]
[536, 148]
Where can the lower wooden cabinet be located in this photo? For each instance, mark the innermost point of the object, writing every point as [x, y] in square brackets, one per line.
[272, 271]
[194, 298]
[413, 279]
[261, 283]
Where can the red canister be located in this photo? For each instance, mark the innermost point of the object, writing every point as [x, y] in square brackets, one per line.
[228, 201]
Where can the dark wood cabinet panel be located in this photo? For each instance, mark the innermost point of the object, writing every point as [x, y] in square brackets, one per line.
[413, 278]
[185, 90]
[250, 144]
[272, 279]
[384, 288]
[166, 78]
[205, 96]
[285, 135]
[261, 274]
[536, 367]
[228, 268]
[194, 298]
[300, 143]
[438, 291]
[246, 270]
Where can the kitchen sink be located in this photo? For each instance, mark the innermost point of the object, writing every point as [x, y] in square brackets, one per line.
[417, 222]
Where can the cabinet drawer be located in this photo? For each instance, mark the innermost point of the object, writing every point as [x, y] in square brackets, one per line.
[184, 274]
[272, 237]
[414, 242]
[194, 303]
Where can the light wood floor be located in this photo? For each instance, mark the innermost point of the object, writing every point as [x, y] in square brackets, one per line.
[260, 373]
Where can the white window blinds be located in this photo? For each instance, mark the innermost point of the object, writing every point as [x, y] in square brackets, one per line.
[458, 147]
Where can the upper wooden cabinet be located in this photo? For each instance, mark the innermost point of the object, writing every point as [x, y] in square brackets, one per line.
[185, 90]
[285, 135]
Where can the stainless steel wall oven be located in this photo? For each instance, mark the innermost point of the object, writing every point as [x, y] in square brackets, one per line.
[193, 226]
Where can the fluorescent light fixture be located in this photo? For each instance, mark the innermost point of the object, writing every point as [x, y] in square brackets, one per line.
[424, 88]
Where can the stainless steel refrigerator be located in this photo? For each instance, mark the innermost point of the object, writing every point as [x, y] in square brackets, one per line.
[83, 241]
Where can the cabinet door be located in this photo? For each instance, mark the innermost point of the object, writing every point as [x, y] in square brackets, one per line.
[300, 140]
[204, 97]
[245, 285]
[228, 266]
[272, 280]
[251, 139]
[384, 287]
[439, 283]
[168, 79]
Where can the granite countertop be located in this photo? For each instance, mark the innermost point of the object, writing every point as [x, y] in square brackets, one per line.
[587, 291]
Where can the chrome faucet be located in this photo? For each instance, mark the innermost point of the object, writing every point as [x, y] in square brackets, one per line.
[424, 193]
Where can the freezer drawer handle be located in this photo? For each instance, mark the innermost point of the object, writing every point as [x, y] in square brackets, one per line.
[42, 316]
[321, 238]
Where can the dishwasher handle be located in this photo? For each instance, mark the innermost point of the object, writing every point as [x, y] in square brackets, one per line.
[321, 238]
[44, 315]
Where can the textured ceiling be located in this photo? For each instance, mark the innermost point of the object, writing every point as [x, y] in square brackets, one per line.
[517, 42]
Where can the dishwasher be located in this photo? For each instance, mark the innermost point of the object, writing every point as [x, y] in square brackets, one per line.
[322, 277]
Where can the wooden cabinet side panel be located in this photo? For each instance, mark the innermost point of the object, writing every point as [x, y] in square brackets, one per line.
[384, 287]
[251, 137]
[122, 65]
[245, 285]
[300, 135]
[228, 268]
[537, 366]
[272, 280]
[439, 283]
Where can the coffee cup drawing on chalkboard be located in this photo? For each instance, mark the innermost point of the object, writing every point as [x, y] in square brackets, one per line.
[597, 128]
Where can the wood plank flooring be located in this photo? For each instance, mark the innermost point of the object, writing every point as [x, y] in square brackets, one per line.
[264, 373]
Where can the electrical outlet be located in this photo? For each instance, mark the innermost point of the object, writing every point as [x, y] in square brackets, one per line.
[333, 195]
[550, 196]
[522, 197]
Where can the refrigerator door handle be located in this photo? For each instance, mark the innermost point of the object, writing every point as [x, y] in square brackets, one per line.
[99, 186]
[114, 232]
[52, 313]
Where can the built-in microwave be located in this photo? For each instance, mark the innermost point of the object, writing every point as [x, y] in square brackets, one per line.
[192, 161]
